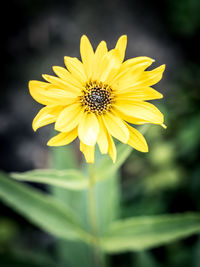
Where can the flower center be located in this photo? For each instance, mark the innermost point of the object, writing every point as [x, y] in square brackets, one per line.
[97, 97]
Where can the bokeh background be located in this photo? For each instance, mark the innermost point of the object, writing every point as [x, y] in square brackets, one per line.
[36, 35]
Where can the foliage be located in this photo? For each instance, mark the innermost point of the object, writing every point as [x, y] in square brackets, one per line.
[64, 212]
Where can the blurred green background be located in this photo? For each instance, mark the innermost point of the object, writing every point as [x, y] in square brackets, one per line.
[37, 35]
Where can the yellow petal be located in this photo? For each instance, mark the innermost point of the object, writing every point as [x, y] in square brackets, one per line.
[87, 55]
[121, 46]
[63, 139]
[112, 148]
[57, 82]
[130, 119]
[88, 129]
[137, 62]
[99, 55]
[46, 116]
[101, 50]
[116, 127]
[125, 78]
[76, 68]
[88, 152]
[152, 77]
[124, 82]
[65, 75]
[45, 94]
[130, 70]
[36, 89]
[141, 79]
[110, 66]
[102, 139]
[137, 140]
[140, 110]
[69, 118]
[146, 93]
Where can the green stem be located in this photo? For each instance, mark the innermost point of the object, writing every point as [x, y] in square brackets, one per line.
[98, 256]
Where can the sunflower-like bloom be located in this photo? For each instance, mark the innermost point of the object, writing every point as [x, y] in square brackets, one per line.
[97, 99]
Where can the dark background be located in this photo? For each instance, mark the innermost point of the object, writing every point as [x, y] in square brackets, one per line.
[36, 35]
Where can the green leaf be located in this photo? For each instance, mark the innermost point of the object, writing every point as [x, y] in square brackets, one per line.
[70, 179]
[107, 201]
[62, 158]
[107, 211]
[74, 253]
[43, 210]
[149, 231]
[106, 168]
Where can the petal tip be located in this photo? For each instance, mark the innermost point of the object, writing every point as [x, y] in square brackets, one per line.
[164, 126]
[163, 67]
[33, 84]
[114, 160]
[44, 76]
[54, 68]
[89, 160]
[34, 127]
[124, 36]
[66, 58]
[84, 39]
[160, 95]
[50, 143]
[30, 83]
[84, 36]
[146, 149]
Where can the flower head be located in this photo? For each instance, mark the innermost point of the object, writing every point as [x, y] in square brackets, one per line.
[97, 99]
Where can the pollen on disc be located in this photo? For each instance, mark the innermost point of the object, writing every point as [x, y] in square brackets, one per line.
[97, 97]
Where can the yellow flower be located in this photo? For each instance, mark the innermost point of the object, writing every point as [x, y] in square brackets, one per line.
[97, 98]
